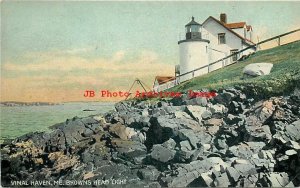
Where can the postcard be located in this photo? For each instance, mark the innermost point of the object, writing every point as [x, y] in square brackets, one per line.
[150, 94]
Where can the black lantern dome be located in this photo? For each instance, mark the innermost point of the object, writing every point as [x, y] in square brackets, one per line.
[193, 30]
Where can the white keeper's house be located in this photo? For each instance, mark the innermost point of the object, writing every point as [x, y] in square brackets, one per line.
[207, 43]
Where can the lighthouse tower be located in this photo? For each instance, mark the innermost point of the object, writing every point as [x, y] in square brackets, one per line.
[193, 51]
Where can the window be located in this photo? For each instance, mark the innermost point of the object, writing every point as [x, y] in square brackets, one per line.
[188, 29]
[235, 56]
[221, 37]
[195, 28]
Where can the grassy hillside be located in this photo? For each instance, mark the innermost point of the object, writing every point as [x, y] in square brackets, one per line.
[284, 77]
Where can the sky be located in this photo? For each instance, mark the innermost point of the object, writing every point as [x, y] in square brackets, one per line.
[54, 51]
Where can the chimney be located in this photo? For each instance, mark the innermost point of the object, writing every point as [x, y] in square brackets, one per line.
[223, 18]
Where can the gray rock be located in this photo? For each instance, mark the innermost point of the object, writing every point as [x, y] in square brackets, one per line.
[188, 173]
[201, 101]
[293, 131]
[144, 121]
[224, 98]
[89, 121]
[185, 154]
[188, 134]
[170, 144]
[163, 125]
[156, 112]
[213, 129]
[73, 130]
[185, 146]
[121, 106]
[132, 118]
[236, 107]
[162, 128]
[162, 104]
[233, 174]
[150, 174]
[88, 132]
[130, 149]
[183, 180]
[182, 115]
[191, 124]
[290, 152]
[258, 69]
[274, 179]
[196, 154]
[246, 150]
[195, 111]
[139, 160]
[266, 154]
[122, 131]
[213, 122]
[204, 138]
[247, 182]
[142, 137]
[222, 181]
[153, 185]
[221, 144]
[283, 158]
[255, 131]
[245, 169]
[263, 110]
[206, 179]
[255, 146]
[232, 119]
[293, 145]
[206, 115]
[145, 112]
[218, 108]
[162, 154]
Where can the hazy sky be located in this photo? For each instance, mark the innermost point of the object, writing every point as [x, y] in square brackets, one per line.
[53, 51]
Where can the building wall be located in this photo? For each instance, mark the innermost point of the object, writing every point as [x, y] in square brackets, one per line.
[218, 51]
[240, 31]
[164, 86]
[243, 31]
[193, 55]
[249, 35]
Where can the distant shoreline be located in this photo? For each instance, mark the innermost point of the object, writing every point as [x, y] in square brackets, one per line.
[14, 103]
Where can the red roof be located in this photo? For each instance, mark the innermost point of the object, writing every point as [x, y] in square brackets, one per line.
[238, 25]
[164, 79]
[235, 25]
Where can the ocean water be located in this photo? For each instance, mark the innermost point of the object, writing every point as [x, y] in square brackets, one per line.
[18, 120]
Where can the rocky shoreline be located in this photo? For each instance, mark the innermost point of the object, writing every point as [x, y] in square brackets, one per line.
[229, 140]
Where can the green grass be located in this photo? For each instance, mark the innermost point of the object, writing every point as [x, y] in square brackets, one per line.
[284, 77]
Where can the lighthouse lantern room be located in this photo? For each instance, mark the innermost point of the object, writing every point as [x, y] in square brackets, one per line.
[193, 51]
[193, 30]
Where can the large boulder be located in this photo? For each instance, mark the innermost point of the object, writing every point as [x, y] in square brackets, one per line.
[187, 174]
[162, 154]
[188, 134]
[122, 131]
[195, 111]
[129, 149]
[258, 69]
[293, 131]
